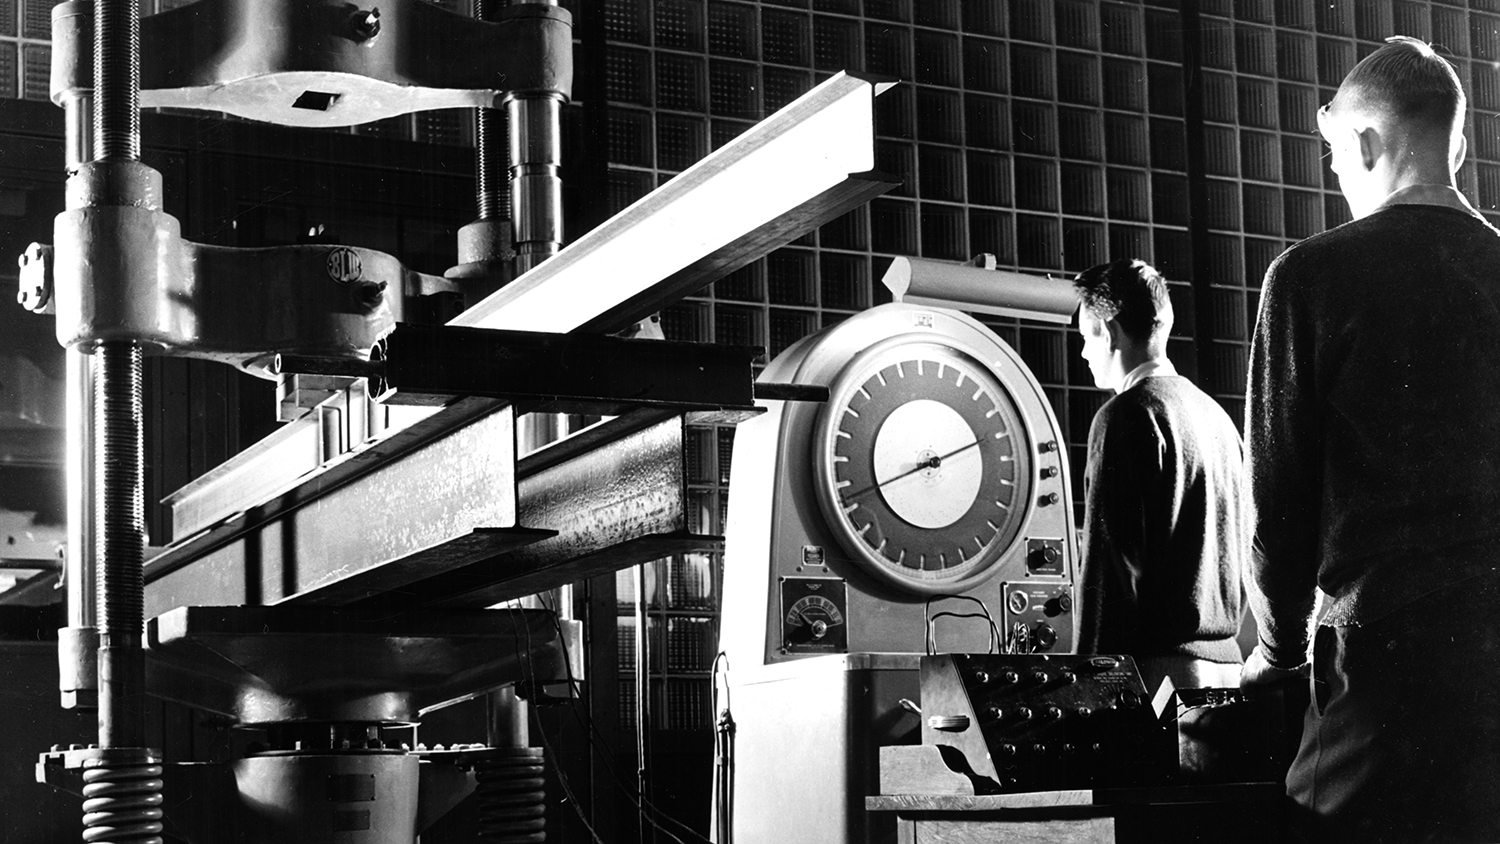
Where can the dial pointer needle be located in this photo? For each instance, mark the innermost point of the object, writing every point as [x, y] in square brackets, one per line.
[930, 463]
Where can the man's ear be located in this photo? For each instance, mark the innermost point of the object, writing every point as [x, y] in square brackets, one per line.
[1460, 151]
[1370, 146]
[1116, 335]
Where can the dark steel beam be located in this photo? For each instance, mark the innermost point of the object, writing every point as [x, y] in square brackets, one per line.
[474, 546]
[609, 500]
[561, 373]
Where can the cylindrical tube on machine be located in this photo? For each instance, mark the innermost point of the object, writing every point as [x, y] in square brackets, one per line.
[78, 129]
[507, 719]
[535, 130]
[919, 281]
[78, 643]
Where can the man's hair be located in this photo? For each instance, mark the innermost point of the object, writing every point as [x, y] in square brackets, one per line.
[1129, 291]
[1405, 81]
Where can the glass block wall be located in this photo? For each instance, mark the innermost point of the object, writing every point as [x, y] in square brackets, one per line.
[25, 48]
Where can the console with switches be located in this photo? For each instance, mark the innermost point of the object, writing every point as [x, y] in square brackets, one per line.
[1036, 722]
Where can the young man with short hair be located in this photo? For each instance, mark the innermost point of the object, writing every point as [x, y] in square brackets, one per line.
[1165, 527]
[1373, 433]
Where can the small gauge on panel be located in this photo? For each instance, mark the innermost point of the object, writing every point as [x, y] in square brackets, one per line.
[923, 466]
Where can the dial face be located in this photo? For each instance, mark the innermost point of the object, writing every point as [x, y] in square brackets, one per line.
[923, 466]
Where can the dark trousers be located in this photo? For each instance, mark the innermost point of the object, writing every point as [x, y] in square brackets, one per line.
[1402, 741]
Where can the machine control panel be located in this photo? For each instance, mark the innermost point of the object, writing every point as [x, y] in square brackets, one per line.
[1038, 616]
[1044, 556]
[814, 615]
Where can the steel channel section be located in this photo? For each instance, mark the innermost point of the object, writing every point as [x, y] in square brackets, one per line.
[431, 495]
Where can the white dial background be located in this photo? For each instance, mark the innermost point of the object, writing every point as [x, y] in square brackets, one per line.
[911, 439]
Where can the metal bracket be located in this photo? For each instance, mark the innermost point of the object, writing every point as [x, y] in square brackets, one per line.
[123, 272]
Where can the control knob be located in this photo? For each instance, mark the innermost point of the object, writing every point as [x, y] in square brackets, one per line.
[1044, 636]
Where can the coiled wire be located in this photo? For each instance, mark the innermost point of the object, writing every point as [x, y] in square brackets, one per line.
[512, 796]
[122, 804]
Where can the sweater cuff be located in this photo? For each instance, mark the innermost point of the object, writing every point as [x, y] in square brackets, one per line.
[1286, 656]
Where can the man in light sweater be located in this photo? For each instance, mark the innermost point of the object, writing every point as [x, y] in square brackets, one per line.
[1373, 433]
[1165, 522]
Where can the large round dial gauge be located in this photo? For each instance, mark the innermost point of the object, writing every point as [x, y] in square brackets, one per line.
[923, 465]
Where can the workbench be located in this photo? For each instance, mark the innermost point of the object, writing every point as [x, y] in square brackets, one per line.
[1239, 812]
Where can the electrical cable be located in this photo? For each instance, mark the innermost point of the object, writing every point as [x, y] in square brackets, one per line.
[528, 673]
[724, 730]
[600, 745]
[931, 619]
[642, 804]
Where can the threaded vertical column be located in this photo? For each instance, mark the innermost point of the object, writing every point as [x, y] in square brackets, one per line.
[488, 134]
[119, 473]
[119, 447]
[117, 79]
[122, 788]
[490, 178]
[120, 540]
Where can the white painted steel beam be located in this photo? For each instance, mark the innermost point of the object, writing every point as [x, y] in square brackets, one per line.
[804, 151]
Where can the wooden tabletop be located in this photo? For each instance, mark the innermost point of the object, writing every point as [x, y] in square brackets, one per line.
[1229, 793]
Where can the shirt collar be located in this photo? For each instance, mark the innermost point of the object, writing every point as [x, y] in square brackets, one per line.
[1149, 369]
[1445, 195]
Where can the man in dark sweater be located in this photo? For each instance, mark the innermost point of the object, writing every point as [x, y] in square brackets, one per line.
[1373, 433]
[1165, 522]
